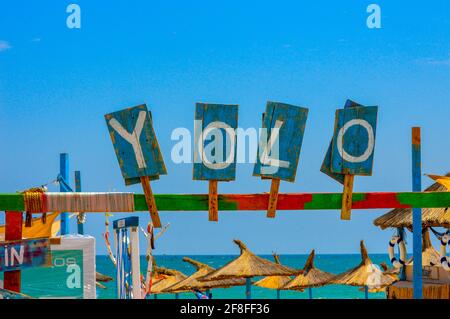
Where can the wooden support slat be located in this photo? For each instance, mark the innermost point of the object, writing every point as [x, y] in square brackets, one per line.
[150, 200]
[213, 201]
[347, 196]
[13, 231]
[273, 197]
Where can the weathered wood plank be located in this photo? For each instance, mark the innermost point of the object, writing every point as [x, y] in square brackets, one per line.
[279, 149]
[354, 140]
[257, 202]
[24, 253]
[135, 144]
[215, 142]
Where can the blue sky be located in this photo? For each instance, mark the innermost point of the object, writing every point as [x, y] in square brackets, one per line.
[57, 83]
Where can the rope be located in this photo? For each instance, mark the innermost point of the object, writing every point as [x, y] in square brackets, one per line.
[439, 234]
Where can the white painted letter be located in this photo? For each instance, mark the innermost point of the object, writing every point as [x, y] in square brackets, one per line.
[74, 279]
[133, 138]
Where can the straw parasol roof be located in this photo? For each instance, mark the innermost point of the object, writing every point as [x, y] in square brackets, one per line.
[249, 265]
[274, 282]
[430, 256]
[172, 276]
[365, 274]
[310, 276]
[192, 282]
[431, 217]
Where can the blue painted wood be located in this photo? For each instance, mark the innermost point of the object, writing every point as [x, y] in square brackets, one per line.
[80, 226]
[326, 164]
[417, 214]
[366, 292]
[278, 294]
[248, 288]
[354, 140]
[64, 172]
[36, 253]
[217, 161]
[310, 293]
[289, 141]
[144, 158]
[132, 221]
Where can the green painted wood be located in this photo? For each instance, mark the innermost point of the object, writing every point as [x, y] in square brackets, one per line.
[253, 202]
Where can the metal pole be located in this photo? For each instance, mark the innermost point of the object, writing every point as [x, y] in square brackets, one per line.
[80, 226]
[64, 171]
[417, 213]
[248, 288]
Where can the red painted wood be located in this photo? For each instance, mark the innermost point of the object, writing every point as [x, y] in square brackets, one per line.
[13, 231]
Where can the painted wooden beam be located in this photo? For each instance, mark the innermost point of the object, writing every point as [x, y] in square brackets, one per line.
[417, 213]
[71, 202]
[13, 231]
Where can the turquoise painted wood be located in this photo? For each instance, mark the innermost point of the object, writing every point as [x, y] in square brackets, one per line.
[64, 172]
[326, 164]
[417, 214]
[354, 140]
[80, 226]
[26, 253]
[215, 142]
[135, 144]
[279, 149]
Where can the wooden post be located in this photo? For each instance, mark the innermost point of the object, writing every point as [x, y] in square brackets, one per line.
[347, 197]
[366, 292]
[135, 263]
[64, 171]
[278, 293]
[80, 226]
[310, 293]
[248, 288]
[150, 200]
[417, 213]
[13, 231]
[213, 201]
[273, 197]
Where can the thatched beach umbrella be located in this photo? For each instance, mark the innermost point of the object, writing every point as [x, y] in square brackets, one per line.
[171, 277]
[366, 275]
[431, 217]
[192, 282]
[248, 265]
[274, 282]
[310, 277]
[430, 256]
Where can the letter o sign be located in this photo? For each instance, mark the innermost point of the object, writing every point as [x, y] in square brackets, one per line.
[370, 142]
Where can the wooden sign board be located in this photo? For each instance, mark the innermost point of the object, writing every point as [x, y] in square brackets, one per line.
[26, 253]
[326, 164]
[285, 126]
[215, 148]
[354, 140]
[215, 142]
[135, 144]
